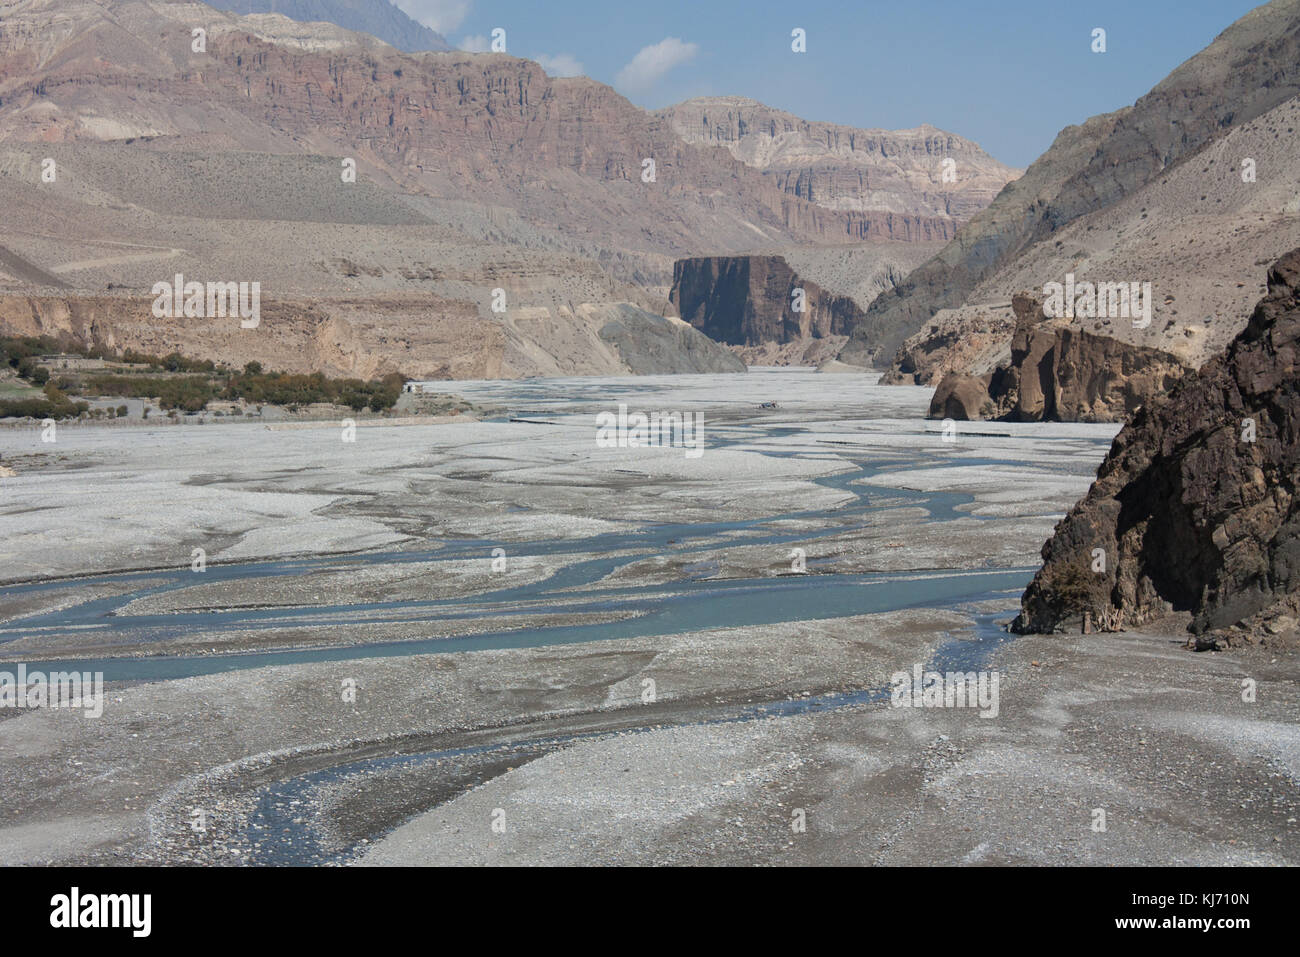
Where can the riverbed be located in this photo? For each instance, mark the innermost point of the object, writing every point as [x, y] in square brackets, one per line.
[517, 532]
[500, 641]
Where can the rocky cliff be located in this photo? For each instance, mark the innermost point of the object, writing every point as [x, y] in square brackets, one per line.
[488, 129]
[1059, 373]
[751, 300]
[1195, 508]
[336, 170]
[419, 336]
[1252, 67]
[897, 173]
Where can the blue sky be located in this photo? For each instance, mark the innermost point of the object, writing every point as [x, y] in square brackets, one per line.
[1008, 74]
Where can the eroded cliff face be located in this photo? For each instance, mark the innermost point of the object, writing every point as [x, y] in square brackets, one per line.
[473, 172]
[339, 337]
[1061, 374]
[367, 338]
[840, 167]
[1195, 508]
[971, 347]
[486, 128]
[752, 300]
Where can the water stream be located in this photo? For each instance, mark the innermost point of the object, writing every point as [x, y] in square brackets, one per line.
[681, 606]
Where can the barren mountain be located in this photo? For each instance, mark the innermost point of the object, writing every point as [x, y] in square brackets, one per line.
[1196, 234]
[140, 139]
[486, 128]
[896, 172]
[1252, 68]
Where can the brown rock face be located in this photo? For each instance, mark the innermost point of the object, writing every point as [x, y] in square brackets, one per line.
[895, 175]
[487, 128]
[439, 340]
[969, 347]
[1061, 374]
[1195, 507]
[420, 337]
[750, 300]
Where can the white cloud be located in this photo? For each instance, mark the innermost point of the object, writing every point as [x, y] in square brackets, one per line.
[475, 44]
[562, 64]
[440, 16]
[653, 62]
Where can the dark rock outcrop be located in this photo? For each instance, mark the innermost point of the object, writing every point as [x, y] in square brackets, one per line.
[1059, 374]
[1250, 68]
[1195, 508]
[749, 300]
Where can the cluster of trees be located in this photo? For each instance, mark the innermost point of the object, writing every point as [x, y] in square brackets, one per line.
[20, 352]
[191, 385]
[172, 362]
[280, 388]
[55, 405]
[13, 349]
[189, 393]
[192, 393]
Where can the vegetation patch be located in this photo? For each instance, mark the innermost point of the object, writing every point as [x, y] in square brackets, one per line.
[178, 383]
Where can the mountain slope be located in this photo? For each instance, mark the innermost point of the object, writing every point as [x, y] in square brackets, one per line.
[489, 129]
[1252, 67]
[1195, 233]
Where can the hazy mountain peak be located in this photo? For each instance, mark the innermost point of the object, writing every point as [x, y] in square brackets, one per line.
[379, 18]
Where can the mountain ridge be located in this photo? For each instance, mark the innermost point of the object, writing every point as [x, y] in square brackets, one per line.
[843, 167]
[1250, 68]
